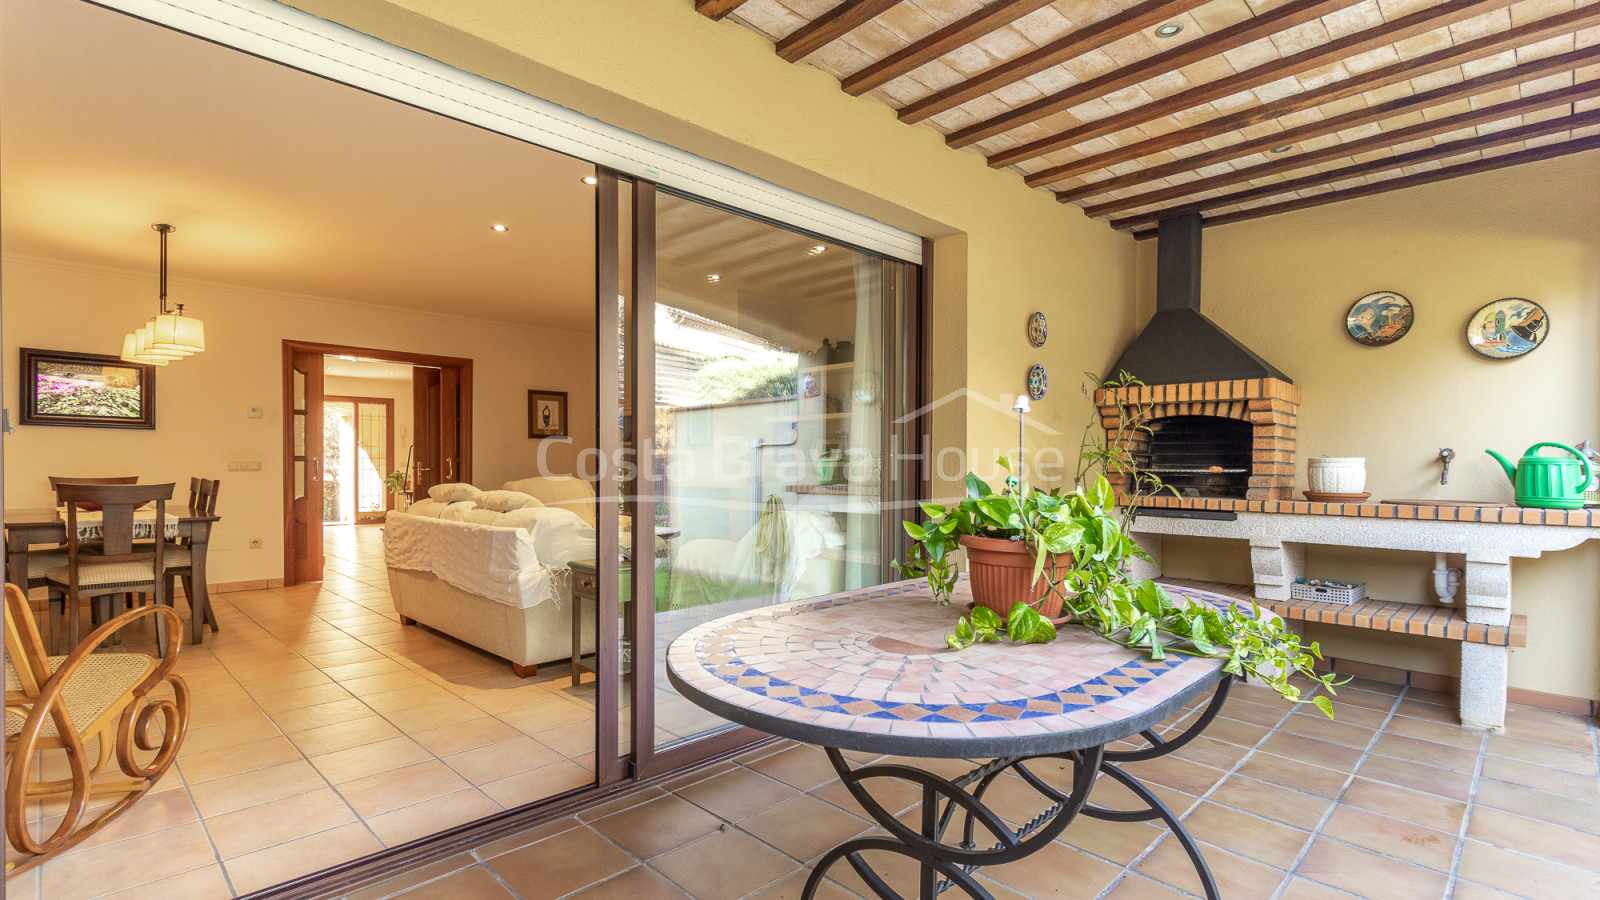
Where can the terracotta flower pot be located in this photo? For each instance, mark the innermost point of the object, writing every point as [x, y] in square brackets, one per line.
[1002, 574]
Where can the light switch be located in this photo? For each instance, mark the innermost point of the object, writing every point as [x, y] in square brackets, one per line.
[255, 412]
[244, 465]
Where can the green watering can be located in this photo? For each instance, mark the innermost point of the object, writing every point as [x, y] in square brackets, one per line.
[1548, 482]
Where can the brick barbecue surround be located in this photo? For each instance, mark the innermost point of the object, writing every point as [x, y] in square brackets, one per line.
[1270, 405]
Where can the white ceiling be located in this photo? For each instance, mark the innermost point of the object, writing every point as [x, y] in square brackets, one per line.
[274, 178]
[375, 369]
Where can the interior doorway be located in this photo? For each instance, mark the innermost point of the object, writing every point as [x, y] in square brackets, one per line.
[343, 441]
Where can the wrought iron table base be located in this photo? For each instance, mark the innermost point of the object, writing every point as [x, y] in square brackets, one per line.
[945, 865]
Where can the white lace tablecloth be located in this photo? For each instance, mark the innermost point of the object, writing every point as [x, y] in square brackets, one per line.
[144, 525]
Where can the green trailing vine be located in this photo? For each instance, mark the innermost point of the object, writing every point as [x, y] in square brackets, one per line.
[1096, 588]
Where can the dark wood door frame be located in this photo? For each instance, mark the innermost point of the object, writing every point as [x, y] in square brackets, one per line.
[290, 348]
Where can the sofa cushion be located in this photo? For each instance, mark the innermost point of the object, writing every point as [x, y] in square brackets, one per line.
[505, 501]
[454, 493]
[562, 491]
[434, 509]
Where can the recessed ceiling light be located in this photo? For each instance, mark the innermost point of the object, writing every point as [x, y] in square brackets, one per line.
[713, 279]
[817, 249]
[499, 227]
[1284, 149]
[590, 180]
[1169, 29]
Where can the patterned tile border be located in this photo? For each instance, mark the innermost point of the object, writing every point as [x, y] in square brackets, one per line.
[1504, 515]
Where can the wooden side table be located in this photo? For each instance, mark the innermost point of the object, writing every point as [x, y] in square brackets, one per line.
[586, 586]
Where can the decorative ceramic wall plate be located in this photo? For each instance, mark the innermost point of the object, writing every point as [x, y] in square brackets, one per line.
[1379, 318]
[1038, 382]
[1038, 330]
[1507, 329]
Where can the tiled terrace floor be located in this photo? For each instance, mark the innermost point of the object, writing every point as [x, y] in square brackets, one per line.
[1390, 802]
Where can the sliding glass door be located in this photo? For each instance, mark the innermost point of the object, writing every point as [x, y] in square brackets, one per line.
[777, 365]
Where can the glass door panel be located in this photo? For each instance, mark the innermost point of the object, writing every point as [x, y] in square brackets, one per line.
[774, 355]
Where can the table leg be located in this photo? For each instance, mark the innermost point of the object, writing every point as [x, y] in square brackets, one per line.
[200, 597]
[17, 559]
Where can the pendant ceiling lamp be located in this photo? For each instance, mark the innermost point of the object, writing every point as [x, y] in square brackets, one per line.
[169, 334]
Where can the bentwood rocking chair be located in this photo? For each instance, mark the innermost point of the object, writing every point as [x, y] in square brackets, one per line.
[83, 709]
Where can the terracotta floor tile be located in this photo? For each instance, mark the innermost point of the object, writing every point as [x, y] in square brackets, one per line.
[258, 827]
[225, 795]
[433, 715]
[1178, 774]
[137, 860]
[544, 716]
[537, 784]
[501, 759]
[1214, 753]
[235, 760]
[1527, 723]
[559, 865]
[1398, 802]
[1265, 715]
[1269, 800]
[738, 794]
[1137, 887]
[1437, 732]
[799, 767]
[1392, 837]
[894, 795]
[1426, 752]
[653, 828]
[1581, 761]
[1304, 889]
[370, 759]
[301, 698]
[1543, 778]
[804, 827]
[414, 877]
[1237, 878]
[1525, 876]
[1572, 812]
[1453, 785]
[574, 739]
[302, 856]
[431, 816]
[1317, 752]
[1535, 838]
[469, 735]
[205, 883]
[323, 714]
[344, 735]
[155, 812]
[624, 800]
[1294, 774]
[1263, 840]
[758, 866]
[1232, 731]
[1368, 874]
[791, 887]
[386, 791]
[1469, 890]
[1056, 865]
[217, 737]
[1118, 842]
[476, 883]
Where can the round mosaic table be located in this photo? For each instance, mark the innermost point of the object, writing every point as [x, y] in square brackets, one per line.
[869, 671]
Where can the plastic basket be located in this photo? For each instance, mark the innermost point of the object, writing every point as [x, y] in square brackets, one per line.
[1343, 592]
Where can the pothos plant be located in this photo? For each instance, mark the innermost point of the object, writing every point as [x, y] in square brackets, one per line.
[1096, 588]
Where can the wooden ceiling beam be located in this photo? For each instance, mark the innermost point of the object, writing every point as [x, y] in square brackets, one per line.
[1069, 46]
[1333, 124]
[1465, 52]
[829, 27]
[1537, 154]
[1381, 35]
[1444, 125]
[1400, 161]
[1289, 15]
[951, 37]
[715, 10]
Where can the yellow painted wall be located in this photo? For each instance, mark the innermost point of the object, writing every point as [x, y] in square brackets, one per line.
[201, 402]
[1282, 286]
[658, 68]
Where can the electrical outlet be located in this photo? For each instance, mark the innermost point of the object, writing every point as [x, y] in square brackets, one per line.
[255, 544]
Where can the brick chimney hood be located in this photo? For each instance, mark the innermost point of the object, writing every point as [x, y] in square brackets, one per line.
[1179, 345]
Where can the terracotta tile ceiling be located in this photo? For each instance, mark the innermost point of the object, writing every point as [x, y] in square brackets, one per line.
[1233, 109]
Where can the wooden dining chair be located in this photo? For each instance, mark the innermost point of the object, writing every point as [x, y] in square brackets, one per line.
[114, 564]
[43, 560]
[81, 710]
[180, 562]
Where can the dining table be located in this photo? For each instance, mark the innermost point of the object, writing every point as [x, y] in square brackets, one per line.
[867, 676]
[47, 526]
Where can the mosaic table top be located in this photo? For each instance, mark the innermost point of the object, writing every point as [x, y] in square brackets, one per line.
[869, 670]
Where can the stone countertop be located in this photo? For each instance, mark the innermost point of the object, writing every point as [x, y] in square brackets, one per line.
[1506, 515]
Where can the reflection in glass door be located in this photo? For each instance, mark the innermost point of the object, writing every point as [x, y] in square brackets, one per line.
[777, 358]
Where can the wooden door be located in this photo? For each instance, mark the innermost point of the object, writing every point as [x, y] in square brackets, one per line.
[450, 438]
[303, 543]
[428, 463]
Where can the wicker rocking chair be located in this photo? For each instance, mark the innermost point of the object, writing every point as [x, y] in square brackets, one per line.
[88, 707]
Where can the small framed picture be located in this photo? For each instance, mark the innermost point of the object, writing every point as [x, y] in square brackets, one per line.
[547, 414]
[87, 390]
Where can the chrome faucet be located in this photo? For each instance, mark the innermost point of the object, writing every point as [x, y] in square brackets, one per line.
[1446, 454]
